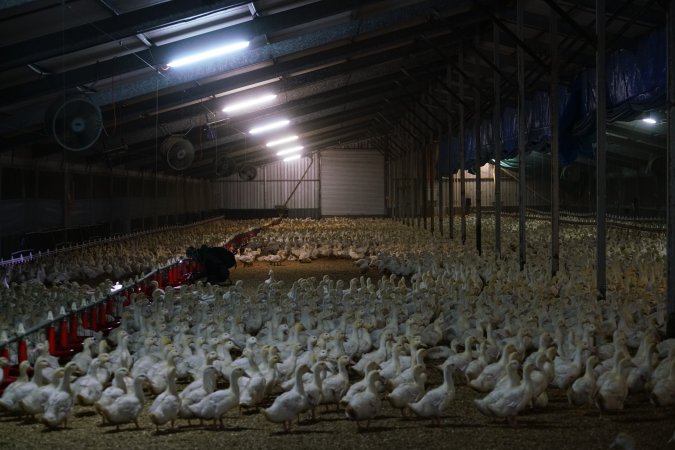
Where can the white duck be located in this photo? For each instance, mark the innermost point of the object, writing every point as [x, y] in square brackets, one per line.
[391, 368]
[88, 388]
[335, 386]
[584, 388]
[166, 405]
[126, 408]
[117, 389]
[461, 360]
[314, 387]
[640, 376]
[613, 391]
[216, 404]
[435, 401]
[488, 378]
[121, 357]
[157, 373]
[362, 385]
[408, 392]
[60, 403]
[34, 403]
[252, 388]
[365, 405]
[567, 371]
[663, 392]
[623, 441]
[288, 405]
[407, 375]
[508, 399]
[196, 391]
[84, 357]
[476, 366]
[21, 387]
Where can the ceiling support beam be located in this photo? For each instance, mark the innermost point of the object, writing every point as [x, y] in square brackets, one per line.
[583, 32]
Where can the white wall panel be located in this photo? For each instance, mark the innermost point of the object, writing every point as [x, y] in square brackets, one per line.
[352, 183]
[273, 186]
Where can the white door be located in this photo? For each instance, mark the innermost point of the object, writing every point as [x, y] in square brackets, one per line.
[352, 183]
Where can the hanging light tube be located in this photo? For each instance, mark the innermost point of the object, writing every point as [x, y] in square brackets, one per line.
[214, 52]
[291, 158]
[282, 140]
[248, 103]
[286, 151]
[269, 126]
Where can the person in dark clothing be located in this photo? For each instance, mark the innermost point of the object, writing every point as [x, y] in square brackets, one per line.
[215, 262]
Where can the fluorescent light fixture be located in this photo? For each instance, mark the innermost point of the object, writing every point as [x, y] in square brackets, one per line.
[218, 51]
[286, 151]
[250, 102]
[282, 140]
[291, 158]
[269, 126]
[649, 120]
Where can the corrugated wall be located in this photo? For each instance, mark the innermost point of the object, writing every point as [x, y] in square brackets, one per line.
[48, 202]
[296, 182]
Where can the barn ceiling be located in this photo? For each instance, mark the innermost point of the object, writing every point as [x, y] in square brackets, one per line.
[342, 71]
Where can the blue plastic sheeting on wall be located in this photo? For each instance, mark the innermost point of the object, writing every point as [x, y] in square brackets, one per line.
[652, 59]
[624, 82]
[442, 165]
[509, 133]
[539, 120]
[485, 153]
[636, 82]
[584, 88]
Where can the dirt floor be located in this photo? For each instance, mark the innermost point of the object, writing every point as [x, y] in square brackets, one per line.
[558, 426]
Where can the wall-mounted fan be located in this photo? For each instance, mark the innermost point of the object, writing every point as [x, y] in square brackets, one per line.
[247, 172]
[179, 152]
[225, 167]
[75, 123]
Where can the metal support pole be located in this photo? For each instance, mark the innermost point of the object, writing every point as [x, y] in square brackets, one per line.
[439, 179]
[430, 183]
[67, 197]
[462, 178]
[476, 131]
[497, 138]
[423, 182]
[411, 184]
[555, 176]
[601, 148]
[451, 175]
[521, 135]
[670, 295]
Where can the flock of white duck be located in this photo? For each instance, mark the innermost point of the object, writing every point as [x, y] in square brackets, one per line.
[285, 351]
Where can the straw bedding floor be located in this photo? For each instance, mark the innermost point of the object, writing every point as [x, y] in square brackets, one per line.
[559, 426]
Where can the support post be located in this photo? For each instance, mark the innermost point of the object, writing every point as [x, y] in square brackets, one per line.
[601, 148]
[670, 295]
[521, 135]
[462, 177]
[497, 138]
[439, 180]
[555, 176]
[476, 131]
[451, 175]
[423, 182]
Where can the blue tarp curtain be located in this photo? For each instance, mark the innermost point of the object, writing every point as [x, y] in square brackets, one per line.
[636, 82]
